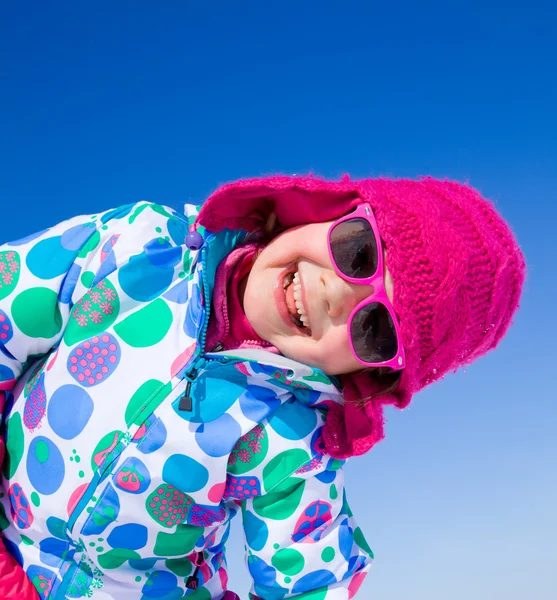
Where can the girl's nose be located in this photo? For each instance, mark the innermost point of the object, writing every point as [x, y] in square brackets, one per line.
[342, 296]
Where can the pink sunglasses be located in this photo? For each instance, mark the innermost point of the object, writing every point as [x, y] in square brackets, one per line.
[356, 253]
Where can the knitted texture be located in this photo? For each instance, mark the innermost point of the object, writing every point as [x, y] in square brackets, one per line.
[457, 273]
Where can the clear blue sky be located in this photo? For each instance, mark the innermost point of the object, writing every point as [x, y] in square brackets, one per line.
[105, 103]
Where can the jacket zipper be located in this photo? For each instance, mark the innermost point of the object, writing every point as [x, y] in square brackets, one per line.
[192, 582]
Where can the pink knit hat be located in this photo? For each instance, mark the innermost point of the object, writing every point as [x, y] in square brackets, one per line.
[457, 272]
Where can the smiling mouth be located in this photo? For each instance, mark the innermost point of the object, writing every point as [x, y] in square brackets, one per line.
[293, 299]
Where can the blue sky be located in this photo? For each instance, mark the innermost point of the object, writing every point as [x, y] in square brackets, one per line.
[108, 103]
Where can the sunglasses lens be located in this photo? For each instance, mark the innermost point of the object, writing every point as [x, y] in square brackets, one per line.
[354, 248]
[373, 334]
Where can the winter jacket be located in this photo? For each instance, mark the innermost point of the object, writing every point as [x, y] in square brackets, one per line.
[130, 446]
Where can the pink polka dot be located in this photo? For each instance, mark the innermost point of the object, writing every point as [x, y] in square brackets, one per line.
[82, 362]
[87, 345]
[104, 369]
[4, 336]
[104, 352]
[5, 327]
[79, 351]
[156, 498]
[243, 481]
[81, 377]
[252, 482]
[100, 360]
[105, 338]
[73, 369]
[164, 501]
[2, 318]
[92, 365]
[87, 372]
[91, 380]
[73, 359]
[99, 376]
[113, 358]
[95, 340]
[112, 347]
[169, 523]
[89, 356]
[96, 350]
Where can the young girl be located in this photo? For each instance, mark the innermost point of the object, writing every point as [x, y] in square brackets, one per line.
[163, 373]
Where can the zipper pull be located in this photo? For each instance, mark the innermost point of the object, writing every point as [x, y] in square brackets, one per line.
[218, 347]
[193, 580]
[185, 403]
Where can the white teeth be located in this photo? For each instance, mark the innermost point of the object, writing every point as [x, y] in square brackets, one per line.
[298, 298]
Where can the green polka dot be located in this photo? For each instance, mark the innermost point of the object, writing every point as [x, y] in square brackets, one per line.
[282, 502]
[87, 278]
[35, 311]
[282, 466]
[318, 594]
[288, 561]
[81, 474]
[179, 566]
[362, 542]
[200, 594]
[145, 392]
[92, 544]
[138, 578]
[115, 558]
[77, 459]
[335, 464]
[158, 229]
[41, 451]
[276, 546]
[104, 227]
[100, 549]
[14, 446]
[181, 541]
[287, 580]
[328, 554]
[333, 492]
[181, 275]
[35, 499]
[147, 326]
[12, 266]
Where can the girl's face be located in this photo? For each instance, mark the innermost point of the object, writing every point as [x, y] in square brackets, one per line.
[326, 298]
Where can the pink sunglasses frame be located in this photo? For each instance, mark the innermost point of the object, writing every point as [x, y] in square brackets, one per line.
[364, 211]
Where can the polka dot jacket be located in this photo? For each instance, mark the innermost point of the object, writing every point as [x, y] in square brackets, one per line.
[130, 447]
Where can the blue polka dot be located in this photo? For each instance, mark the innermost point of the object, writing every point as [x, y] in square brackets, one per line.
[314, 580]
[69, 423]
[104, 513]
[256, 531]
[222, 394]
[159, 584]
[76, 237]
[13, 550]
[345, 540]
[52, 551]
[142, 564]
[261, 572]
[294, 421]
[68, 285]
[132, 476]
[154, 438]
[326, 476]
[107, 267]
[143, 281]
[257, 403]
[162, 254]
[177, 230]
[45, 466]
[117, 213]
[35, 571]
[6, 373]
[218, 437]
[48, 259]
[185, 473]
[179, 293]
[131, 536]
